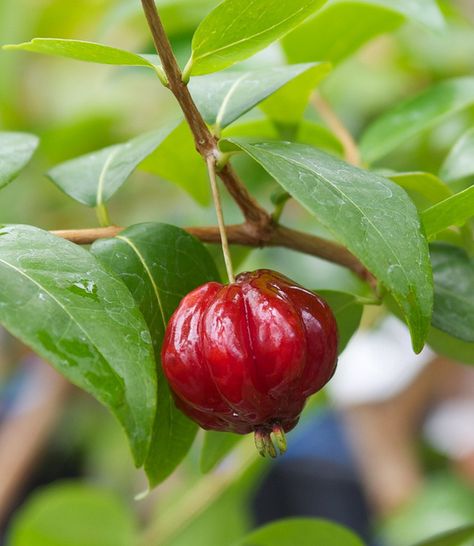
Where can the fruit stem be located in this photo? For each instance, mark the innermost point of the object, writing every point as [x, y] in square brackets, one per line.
[211, 169]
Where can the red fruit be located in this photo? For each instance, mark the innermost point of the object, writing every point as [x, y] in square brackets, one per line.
[245, 356]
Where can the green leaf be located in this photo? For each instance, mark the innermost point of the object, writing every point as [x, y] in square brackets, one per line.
[369, 214]
[73, 514]
[453, 272]
[16, 150]
[301, 531]
[415, 115]
[217, 445]
[460, 161]
[236, 29]
[160, 264]
[306, 132]
[426, 185]
[86, 51]
[343, 26]
[454, 211]
[94, 178]
[223, 97]
[348, 313]
[58, 299]
[451, 347]
[288, 104]
[177, 161]
[457, 537]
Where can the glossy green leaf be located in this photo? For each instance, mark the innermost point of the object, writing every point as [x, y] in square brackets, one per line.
[454, 211]
[223, 97]
[348, 312]
[460, 161]
[456, 537]
[415, 115]
[343, 26]
[236, 29]
[288, 104]
[58, 299]
[16, 150]
[301, 532]
[73, 514]
[217, 445]
[86, 51]
[160, 264]
[453, 272]
[369, 214]
[177, 161]
[94, 178]
[426, 185]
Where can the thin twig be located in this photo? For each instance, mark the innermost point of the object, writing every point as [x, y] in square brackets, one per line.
[324, 109]
[205, 141]
[211, 168]
[246, 235]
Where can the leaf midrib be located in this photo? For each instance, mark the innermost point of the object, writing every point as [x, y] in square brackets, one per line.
[103, 173]
[233, 88]
[247, 38]
[148, 272]
[58, 302]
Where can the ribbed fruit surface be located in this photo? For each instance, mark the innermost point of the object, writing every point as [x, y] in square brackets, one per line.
[245, 356]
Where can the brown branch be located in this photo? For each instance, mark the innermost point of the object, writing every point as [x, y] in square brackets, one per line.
[246, 235]
[324, 109]
[206, 143]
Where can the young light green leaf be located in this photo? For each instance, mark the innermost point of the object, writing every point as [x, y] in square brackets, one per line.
[456, 537]
[426, 185]
[301, 531]
[224, 97]
[369, 214]
[90, 52]
[61, 514]
[217, 445]
[415, 115]
[460, 161]
[93, 179]
[343, 26]
[454, 211]
[236, 29]
[58, 299]
[453, 272]
[16, 150]
[160, 264]
[177, 161]
[348, 313]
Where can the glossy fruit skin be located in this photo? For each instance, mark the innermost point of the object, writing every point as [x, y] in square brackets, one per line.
[244, 356]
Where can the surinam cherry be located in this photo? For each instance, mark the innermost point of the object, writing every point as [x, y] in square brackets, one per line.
[244, 357]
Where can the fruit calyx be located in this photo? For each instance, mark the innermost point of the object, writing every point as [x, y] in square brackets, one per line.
[265, 440]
